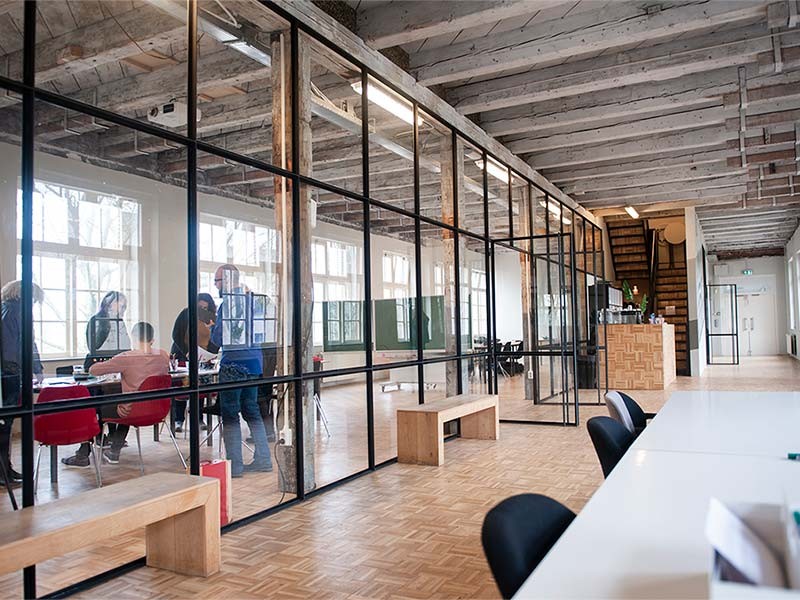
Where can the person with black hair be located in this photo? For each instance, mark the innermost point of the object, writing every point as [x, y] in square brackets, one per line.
[106, 334]
[206, 312]
[134, 366]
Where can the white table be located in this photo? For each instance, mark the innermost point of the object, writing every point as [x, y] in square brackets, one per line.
[746, 423]
[642, 534]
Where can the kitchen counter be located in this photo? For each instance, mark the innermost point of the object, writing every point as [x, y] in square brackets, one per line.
[640, 357]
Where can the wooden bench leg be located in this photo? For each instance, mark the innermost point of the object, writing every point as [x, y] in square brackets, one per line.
[482, 425]
[420, 438]
[188, 543]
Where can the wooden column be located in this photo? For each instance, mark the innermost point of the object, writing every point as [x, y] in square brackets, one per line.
[449, 256]
[301, 238]
[528, 292]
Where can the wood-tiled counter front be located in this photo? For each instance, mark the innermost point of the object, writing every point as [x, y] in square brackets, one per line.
[640, 357]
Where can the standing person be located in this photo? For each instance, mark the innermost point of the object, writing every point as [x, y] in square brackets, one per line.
[106, 334]
[11, 359]
[134, 366]
[206, 311]
[240, 361]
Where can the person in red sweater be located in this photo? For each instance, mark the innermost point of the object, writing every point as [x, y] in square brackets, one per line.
[134, 366]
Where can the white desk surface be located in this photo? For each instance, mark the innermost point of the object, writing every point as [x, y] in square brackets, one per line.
[642, 534]
[746, 423]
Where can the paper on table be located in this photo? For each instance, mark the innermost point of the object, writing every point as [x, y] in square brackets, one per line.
[742, 548]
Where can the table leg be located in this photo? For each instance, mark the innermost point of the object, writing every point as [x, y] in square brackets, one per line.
[53, 464]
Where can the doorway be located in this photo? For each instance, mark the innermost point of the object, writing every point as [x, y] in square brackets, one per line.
[722, 318]
[758, 323]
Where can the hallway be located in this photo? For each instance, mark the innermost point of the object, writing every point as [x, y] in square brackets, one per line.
[414, 531]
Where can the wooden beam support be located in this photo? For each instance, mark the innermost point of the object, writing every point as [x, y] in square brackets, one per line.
[614, 25]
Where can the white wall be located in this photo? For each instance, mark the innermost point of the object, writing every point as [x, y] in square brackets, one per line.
[508, 295]
[769, 273]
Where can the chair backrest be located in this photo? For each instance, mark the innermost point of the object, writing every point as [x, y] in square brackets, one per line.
[635, 411]
[610, 439]
[618, 411]
[149, 412]
[518, 533]
[69, 427]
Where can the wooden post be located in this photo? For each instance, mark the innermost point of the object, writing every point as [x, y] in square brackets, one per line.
[528, 292]
[282, 156]
[449, 252]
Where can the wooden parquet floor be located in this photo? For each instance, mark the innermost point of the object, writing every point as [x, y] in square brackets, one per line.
[408, 531]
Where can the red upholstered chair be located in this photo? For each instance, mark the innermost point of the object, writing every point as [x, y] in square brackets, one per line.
[150, 412]
[68, 427]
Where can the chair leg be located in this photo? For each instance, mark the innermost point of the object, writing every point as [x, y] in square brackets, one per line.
[139, 445]
[36, 473]
[177, 449]
[97, 457]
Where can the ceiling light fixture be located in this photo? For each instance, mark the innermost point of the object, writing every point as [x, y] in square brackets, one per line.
[495, 170]
[387, 102]
[632, 212]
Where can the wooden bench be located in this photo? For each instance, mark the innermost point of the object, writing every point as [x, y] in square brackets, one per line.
[180, 514]
[420, 430]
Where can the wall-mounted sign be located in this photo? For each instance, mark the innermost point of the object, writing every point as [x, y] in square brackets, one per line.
[747, 271]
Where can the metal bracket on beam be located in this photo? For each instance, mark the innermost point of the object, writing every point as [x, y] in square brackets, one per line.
[742, 113]
[777, 57]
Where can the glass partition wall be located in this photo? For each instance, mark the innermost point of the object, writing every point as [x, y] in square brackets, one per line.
[297, 247]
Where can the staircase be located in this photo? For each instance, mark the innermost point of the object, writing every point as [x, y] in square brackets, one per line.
[671, 290]
[628, 248]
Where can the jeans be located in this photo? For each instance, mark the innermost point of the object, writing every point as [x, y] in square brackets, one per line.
[244, 401]
[116, 432]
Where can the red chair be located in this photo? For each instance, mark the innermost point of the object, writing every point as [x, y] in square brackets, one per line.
[68, 427]
[150, 412]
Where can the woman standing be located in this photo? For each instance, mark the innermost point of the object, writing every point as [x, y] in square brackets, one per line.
[11, 359]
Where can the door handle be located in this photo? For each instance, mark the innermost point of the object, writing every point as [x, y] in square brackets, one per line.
[751, 324]
[744, 324]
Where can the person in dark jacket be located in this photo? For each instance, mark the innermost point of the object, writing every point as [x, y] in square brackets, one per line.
[11, 359]
[106, 334]
[206, 311]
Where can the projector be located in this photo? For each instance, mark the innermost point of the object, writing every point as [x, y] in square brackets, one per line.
[172, 114]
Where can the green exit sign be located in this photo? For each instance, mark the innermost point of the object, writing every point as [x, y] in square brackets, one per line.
[747, 271]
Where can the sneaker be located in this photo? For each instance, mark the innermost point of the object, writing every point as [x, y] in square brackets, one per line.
[79, 462]
[111, 457]
[178, 427]
[256, 468]
[14, 476]
[203, 426]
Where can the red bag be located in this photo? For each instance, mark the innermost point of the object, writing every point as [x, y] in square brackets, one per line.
[221, 469]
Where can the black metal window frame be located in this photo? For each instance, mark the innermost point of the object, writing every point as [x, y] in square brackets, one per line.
[27, 410]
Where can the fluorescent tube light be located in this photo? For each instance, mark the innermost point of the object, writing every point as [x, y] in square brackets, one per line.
[495, 170]
[632, 212]
[387, 102]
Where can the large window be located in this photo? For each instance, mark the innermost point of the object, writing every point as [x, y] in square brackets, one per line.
[478, 300]
[86, 244]
[336, 268]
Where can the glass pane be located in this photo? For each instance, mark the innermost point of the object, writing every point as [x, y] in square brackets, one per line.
[499, 218]
[438, 291]
[392, 389]
[435, 170]
[391, 146]
[335, 421]
[125, 58]
[470, 188]
[334, 117]
[473, 281]
[441, 380]
[11, 28]
[111, 258]
[521, 210]
[248, 293]
[336, 272]
[10, 258]
[394, 294]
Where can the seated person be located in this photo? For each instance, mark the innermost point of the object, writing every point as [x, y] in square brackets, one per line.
[134, 366]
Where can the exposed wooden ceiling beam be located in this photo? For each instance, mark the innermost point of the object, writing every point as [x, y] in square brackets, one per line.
[401, 21]
[614, 25]
[734, 254]
[655, 63]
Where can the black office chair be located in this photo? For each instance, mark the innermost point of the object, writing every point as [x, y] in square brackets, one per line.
[638, 416]
[516, 535]
[611, 440]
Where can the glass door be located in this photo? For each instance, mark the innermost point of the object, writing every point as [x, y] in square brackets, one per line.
[722, 324]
